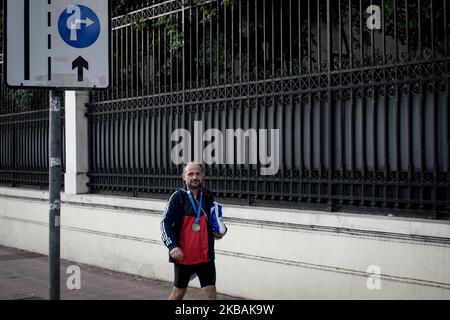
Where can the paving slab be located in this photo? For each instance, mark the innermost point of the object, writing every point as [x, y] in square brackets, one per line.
[24, 276]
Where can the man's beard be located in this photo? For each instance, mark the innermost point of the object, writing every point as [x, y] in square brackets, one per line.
[194, 186]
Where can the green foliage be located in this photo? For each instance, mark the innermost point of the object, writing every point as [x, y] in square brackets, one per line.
[140, 25]
[172, 26]
[209, 13]
[119, 7]
[227, 2]
[21, 99]
[406, 16]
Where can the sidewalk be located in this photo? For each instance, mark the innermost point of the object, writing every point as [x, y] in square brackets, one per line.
[24, 276]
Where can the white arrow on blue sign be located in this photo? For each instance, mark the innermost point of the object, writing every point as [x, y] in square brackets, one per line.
[58, 44]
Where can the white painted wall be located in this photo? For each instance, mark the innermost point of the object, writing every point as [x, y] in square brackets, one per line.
[267, 254]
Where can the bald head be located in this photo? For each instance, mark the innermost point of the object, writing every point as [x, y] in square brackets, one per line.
[193, 175]
[191, 164]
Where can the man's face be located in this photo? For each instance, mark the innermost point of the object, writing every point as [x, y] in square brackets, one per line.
[193, 176]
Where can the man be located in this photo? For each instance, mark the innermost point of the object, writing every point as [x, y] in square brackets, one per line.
[187, 234]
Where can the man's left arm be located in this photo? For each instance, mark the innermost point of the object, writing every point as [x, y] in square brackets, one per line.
[217, 235]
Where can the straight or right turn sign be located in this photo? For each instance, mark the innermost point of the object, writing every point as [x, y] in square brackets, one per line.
[58, 44]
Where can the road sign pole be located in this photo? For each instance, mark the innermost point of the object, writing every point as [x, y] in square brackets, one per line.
[55, 194]
[64, 47]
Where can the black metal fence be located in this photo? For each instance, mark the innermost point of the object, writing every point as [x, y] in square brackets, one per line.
[24, 137]
[359, 90]
[362, 112]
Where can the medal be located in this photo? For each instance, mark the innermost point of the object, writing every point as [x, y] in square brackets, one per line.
[195, 227]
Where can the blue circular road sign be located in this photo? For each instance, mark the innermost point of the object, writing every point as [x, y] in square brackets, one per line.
[79, 26]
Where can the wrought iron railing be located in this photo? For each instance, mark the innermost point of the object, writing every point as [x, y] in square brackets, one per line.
[362, 112]
[360, 98]
[24, 137]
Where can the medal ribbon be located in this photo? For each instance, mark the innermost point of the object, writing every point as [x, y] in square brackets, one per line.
[199, 210]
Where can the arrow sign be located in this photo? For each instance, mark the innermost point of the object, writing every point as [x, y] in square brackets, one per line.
[81, 64]
[57, 45]
[87, 22]
[76, 24]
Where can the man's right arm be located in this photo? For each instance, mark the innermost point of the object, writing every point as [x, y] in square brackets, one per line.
[168, 221]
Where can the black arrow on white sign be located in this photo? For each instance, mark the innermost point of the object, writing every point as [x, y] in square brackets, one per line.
[81, 64]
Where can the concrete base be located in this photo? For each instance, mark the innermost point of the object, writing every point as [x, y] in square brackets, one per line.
[267, 253]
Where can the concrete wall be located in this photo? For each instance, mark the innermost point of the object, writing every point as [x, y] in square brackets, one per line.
[267, 254]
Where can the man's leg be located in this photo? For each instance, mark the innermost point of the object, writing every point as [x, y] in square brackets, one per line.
[209, 292]
[207, 275]
[177, 294]
[182, 276]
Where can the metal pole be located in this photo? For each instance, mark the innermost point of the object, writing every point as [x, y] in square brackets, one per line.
[55, 196]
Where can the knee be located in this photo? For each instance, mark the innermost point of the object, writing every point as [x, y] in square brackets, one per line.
[177, 294]
[210, 292]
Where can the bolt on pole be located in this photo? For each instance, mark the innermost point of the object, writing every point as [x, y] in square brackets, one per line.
[55, 194]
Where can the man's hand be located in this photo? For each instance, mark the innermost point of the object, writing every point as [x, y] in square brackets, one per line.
[176, 253]
[219, 236]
